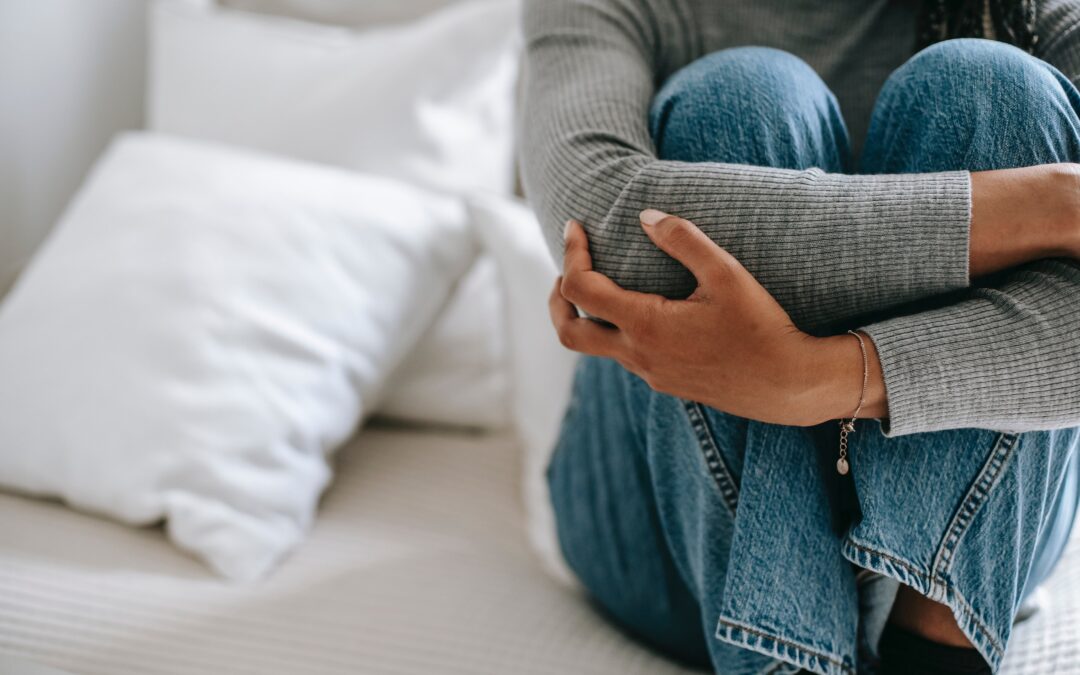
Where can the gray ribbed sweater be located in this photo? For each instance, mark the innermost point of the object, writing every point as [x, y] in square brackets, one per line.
[829, 247]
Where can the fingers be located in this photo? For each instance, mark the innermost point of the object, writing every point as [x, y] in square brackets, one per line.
[576, 254]
[683, 241]
[579, 334]
[591, 291]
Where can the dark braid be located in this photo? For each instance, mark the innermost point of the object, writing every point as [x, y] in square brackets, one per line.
[1011, 21]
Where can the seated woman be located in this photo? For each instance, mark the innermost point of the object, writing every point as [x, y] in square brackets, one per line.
[876, 220]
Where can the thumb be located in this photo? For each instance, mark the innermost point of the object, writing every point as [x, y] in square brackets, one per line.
[685, 242]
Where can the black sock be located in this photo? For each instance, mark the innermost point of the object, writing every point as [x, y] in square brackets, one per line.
[904, 653]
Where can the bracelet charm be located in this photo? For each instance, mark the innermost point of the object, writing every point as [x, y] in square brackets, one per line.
[842, 467]
[848, 426]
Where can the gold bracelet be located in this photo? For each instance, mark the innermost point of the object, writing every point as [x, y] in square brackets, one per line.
[848, 427]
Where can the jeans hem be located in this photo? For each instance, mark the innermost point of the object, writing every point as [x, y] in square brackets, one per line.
[795, 654]
[933, 587]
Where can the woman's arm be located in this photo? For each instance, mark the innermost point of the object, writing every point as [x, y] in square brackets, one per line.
[829, 247]
[1007, 355]
[1002, 358]
[1022, 215]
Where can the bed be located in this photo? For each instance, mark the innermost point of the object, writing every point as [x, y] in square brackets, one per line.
[418, 563]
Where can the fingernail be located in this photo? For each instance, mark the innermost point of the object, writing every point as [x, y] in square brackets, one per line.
[566, 230]
[650, 217]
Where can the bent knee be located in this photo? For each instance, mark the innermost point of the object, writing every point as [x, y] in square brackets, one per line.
[763, 79]
[710, 109]
[741, 68]
[979, 70]
[973, 104]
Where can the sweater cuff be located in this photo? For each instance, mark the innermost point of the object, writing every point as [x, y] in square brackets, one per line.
[914, 382]
[1001, 358]
[923, 231]
[906, 237]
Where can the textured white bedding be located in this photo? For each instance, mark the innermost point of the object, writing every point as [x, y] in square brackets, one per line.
[418, 563]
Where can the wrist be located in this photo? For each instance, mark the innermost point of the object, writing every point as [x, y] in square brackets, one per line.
[1025, 214]
[827, 380]
[1055, 201]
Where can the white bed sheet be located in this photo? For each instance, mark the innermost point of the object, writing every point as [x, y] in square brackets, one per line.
[418, 564]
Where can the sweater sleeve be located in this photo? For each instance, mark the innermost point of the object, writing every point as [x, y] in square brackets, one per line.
[1059, 36]
[828, 246]
[1007, 356]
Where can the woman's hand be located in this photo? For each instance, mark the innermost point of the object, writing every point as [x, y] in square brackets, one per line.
[729, 345]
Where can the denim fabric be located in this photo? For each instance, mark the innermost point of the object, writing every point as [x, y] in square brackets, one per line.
[711, 537]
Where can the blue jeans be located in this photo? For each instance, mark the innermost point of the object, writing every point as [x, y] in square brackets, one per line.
[711, 537]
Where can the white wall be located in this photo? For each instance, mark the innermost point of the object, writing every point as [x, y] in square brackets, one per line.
[71, 75]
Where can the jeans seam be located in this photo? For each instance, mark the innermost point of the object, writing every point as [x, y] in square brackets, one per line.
[969, 506]
[714, 461]
[938, 588]
[798, 648]
[970, 613]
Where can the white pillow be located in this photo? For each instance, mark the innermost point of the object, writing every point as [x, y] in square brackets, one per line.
[203, 327]
[542, 370]
[429, 102]
[458, 374]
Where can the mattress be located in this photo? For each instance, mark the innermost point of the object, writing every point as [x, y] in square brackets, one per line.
[418, 563]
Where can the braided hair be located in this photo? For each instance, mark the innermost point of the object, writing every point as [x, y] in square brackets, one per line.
[1011, 21]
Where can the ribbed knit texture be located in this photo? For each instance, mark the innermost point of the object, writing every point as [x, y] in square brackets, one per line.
[830, 247]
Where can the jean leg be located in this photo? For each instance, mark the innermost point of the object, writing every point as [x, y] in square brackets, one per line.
[608, 524]
[750, 105]
[970, 518]
[972, 105]
[644, 485]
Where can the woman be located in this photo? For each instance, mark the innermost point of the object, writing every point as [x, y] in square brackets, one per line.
[877, 220]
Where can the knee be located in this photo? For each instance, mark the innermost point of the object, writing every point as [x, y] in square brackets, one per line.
[712, 108]
[980, 70]
[743, 70]
[974, 104]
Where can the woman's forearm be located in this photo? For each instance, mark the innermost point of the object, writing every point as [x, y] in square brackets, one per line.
[1022, 215]
[810, 237]
[830, 382]
[1018, 216]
